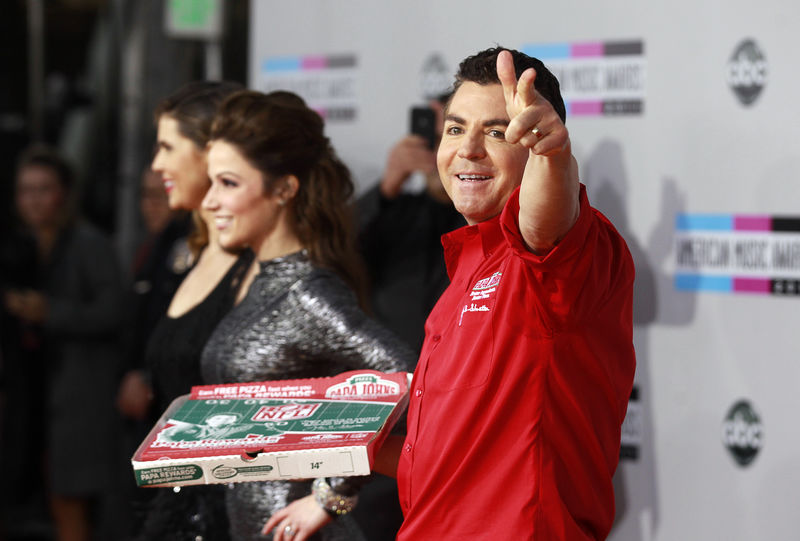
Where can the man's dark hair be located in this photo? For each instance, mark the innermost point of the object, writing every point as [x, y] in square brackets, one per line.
[481, 68]
[40, 155]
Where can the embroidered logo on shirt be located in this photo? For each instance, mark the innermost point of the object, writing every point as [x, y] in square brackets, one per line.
[483, 289]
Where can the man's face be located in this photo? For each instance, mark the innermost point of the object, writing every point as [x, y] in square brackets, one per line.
[478, 168]
[40, 197]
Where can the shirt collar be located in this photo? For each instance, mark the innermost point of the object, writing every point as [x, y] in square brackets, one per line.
[471, 244]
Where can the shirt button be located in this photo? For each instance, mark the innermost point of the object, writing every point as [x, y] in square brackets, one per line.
[418, 392]
[408, 447]
[437, 337]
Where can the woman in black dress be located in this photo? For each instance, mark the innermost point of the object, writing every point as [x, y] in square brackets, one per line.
[204, 296]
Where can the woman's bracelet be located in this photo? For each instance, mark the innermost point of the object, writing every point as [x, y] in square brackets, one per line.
[330, 501]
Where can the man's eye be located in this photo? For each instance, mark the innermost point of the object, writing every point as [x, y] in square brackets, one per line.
[454, 130]
[497, 134]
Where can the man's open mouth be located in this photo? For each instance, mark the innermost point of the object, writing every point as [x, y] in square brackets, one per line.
[473, 178]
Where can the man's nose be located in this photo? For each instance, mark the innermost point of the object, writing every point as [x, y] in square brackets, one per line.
[472, 146]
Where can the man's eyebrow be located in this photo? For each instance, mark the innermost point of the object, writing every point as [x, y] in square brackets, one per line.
[496, 122]
[486, 123]
[454, 118]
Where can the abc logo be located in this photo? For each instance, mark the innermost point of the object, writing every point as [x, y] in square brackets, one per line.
[747, 72]
[435, 77]
[742, 433]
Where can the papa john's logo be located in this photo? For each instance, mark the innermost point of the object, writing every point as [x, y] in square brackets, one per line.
[485, 287]
[481, 291]
[363, 385]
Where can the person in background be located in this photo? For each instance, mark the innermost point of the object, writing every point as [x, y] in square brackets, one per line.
[159, 265]
[400, 236]
[161, 261]
[20, 387]
[528, 362]
[77, 305]
[278, 188]
[155, 212]
[172, 355]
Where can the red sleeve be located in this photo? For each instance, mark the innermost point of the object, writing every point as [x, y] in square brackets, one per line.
[578, 276]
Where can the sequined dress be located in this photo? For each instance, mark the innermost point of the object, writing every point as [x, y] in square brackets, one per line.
[296, 321]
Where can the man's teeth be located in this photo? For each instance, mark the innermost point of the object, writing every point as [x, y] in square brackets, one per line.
[473, 177]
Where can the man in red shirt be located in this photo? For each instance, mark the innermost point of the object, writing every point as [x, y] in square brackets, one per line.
[527, 365]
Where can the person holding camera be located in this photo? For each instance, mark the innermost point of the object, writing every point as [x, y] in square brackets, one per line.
[401, 230]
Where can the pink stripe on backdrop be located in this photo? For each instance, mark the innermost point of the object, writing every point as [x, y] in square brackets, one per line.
[586, 49]
[314, 62]
[752, 223]
[586, 108]
[751, 285]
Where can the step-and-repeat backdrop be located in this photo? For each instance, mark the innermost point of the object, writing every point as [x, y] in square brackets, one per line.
[685, 123]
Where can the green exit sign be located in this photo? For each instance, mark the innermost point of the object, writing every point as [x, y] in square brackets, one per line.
[198, 19]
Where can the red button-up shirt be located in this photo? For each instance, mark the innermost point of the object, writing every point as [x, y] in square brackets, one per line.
[522, 386]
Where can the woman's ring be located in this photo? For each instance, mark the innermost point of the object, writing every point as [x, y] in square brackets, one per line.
[288, 531]
[535, 131]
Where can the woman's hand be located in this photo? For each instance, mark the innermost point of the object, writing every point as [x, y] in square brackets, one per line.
[134, 396]
[297, 521]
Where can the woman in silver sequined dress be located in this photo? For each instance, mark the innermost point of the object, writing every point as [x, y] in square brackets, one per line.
[278, 188]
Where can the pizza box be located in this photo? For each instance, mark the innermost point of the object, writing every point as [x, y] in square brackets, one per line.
[272, 430]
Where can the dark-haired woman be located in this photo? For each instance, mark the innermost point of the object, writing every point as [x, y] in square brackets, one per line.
[203, 297]
[278, 189]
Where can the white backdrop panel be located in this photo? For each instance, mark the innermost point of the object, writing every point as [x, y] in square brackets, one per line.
[694, 149]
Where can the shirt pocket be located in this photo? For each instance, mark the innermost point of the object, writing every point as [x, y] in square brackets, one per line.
[464, 356]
